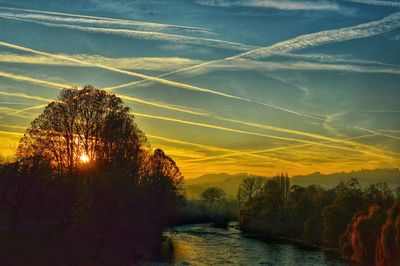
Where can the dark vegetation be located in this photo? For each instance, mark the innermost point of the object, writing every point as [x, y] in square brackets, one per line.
[362, 224]
[86, 187]
[231, 182]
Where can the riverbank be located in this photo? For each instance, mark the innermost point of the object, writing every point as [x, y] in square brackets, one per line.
[203, 244]
[299, 243]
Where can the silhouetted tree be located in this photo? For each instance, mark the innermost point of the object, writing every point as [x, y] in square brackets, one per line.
[348, 201]
[265, 212]
[88, 169]
[249, 188]
[379, 194]
[213, 196]
[397, 191]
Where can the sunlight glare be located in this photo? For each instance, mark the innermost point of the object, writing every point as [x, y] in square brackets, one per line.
[84, 158]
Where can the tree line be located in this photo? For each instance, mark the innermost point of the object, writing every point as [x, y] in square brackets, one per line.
[362, 224]
[85, 173]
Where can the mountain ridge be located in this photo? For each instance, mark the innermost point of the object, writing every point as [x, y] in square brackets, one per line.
[230, 182]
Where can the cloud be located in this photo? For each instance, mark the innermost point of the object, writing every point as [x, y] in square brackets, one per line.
[161, 105]
[376, 3]
[268, 150]
[198, 112]
[26, 96]
[33, 80]
[208, 147]
[142, 63]
[311, 40]
[378, 133]
[241, 64]
[357, 148]
[158, 79]
[331, 121]
[57, 86]
[276, 4]
[77, 18]
[146, 35]
[171, 83]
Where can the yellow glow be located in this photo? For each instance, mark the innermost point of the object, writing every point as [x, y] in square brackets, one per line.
[84, 158]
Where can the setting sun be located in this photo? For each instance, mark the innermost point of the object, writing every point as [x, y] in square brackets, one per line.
[84, 158]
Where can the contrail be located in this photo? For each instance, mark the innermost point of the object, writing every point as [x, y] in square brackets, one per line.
[180, 109]
[59, 86]
[304, 134]
[260, 134]
[364, 30]
[378, 133]
[145, 35]
[161, 105]
[11, 133]
[33, 80]
[110, 20]
[269, 150]
[156, 79]
[214, 148]
[30, 108]
[376, 3]
[26, 96]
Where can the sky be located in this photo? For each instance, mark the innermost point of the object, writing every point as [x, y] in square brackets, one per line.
[255, 86]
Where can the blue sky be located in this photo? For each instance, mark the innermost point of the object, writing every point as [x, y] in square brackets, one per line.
[258, 86]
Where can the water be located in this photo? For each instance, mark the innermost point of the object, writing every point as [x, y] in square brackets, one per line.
[202, 244]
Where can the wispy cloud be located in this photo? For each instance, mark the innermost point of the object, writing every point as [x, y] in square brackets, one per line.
[311, 40]
[161, 105]
[358, 148]
[365, 148]
[242, 64]
[142, 63]
[208, 147]
[267, 150]
[276, 4]
[26, 96]
[377, 3]
[145, 35]
[34, 80]
[378, 133]
[96, 19]
[307, 41]
[206, 125]
[57, 86]
[159, 80]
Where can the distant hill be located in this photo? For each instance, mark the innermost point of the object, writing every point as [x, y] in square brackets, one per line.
[365, 177]
[230, 183]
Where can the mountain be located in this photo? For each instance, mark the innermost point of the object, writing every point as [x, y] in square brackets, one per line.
[364, 176]
[230, 183]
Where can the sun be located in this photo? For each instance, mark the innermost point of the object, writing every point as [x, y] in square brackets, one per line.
[84, 158]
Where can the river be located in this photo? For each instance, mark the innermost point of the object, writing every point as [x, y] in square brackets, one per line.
[201, 244]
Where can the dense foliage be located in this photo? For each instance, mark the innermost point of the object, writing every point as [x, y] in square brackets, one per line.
[363, 224]
[86, 172]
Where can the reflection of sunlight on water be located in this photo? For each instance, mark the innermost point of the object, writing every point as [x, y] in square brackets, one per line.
[204, 245]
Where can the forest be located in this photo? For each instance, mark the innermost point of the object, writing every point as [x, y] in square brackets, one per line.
[87, 188]
[362, 224]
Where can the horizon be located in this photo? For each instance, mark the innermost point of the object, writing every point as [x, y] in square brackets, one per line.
[291, 176]
[258, 87]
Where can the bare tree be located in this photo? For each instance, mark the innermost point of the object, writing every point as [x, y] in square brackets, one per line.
[249, 188]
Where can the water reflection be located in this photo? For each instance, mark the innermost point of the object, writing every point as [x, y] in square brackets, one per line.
[204, 245]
